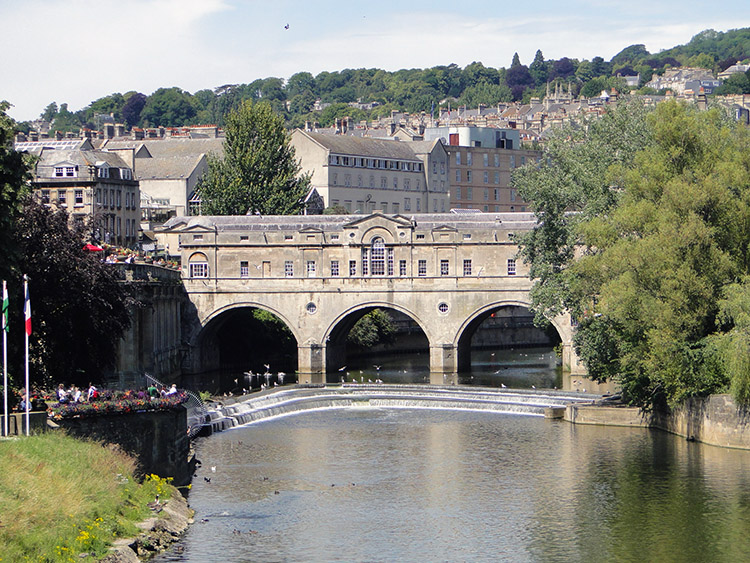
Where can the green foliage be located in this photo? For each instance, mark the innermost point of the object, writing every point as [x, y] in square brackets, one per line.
[81, 311]
[258, 172]
[375, 327]
[650, 267]
[168, 107]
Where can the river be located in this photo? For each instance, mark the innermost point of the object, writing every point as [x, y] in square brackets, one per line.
[370, 484]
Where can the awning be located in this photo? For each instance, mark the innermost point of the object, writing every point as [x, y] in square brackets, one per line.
[93, 248]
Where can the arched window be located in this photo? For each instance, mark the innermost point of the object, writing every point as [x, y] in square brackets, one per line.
[198, 266]
[377, 257]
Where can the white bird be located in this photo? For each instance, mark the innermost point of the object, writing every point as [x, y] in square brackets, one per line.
[376, 367]
[213, 469]
[533, 386]
[502, 385]
[342, 368]
[267, 366]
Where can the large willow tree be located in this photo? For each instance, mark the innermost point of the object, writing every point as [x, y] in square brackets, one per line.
[258, 172]
[656, 262]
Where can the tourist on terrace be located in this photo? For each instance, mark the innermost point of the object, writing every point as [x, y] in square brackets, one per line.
[172, 390]
[93, 393]
[62, 394]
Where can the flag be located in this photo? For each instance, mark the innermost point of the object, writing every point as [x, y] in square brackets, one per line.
[27, 309]
[6, 328]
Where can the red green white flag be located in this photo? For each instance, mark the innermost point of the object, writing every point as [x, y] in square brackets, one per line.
[27, 309]
[6, 326]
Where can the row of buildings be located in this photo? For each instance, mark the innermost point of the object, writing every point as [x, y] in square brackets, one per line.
[129, 185]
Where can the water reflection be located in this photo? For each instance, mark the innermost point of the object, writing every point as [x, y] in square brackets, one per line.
[385, 485]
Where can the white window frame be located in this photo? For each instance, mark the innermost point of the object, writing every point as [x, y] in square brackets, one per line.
[198, 270]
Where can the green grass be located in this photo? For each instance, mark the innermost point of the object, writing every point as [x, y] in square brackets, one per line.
[62, 497]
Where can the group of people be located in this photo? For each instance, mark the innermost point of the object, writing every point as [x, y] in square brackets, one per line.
[75, 395]
[155, 392]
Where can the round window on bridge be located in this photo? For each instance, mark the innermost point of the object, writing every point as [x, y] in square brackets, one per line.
[311, 308]
[443, 307]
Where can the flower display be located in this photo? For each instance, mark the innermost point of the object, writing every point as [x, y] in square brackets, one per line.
[117, 402]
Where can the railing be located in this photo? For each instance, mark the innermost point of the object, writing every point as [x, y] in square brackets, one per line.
[196, 410]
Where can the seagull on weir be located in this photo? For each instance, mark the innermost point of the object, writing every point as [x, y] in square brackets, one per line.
[342, 368]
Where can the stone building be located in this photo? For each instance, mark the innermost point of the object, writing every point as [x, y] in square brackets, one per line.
[88, 184]
[363, 174]
[481, 162]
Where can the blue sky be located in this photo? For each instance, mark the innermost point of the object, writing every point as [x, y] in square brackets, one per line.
[75, 51]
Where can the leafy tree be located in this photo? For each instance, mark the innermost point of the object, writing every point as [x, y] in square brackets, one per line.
[600, 67]
[538, 69]
[562, 68]
[519, 79]
[660, 277]
[107, 105]
[299, 83]
[738, 83]
[631, 54]
[376, 327]
[485, 93]
[66, 121]
[258, 171]
[168, 107]
[49, 112]
[15, 173]
[81, 309]
[132, 108]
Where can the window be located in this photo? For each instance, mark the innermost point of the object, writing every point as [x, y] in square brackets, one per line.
[311, 268]
[289, 269]
[512, 161]
[59, 171]
[444, 268]
[45, 196]
[199, 269]
[352, 267]
[334, 178]
[486, 178]
[420, 237]
[513, 195]
[383, 182]
[458, 176]
[523, 161]
[458, 158]
[468, 176]
[511, 267]
[486, 159]
[62, 197]
[197, 237]
[458, 192]
[486, 194]
[496, 194]
[469, 159]
[347, 180]
[402, 267]
[497, 160]
[244, 269]
[469, 193]
[467, 267]
[497, 177]
[78, 197]
[419, 204]
[390, 261]
[395, 206]
[119, 199]
[334, 268]
[395, 183]
[422, 268]
[126, 173]
[407, 204]
[103, 172]
[70, 171]
[407, 184]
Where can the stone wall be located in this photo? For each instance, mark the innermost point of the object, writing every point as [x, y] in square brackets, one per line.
[158, 439]
[714, 420]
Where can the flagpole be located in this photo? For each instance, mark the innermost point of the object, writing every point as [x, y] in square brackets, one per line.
[5, 358]
[27, 331]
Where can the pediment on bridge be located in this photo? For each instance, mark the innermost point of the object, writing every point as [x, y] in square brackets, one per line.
[380, 219]
[444, 229]
[194, 224]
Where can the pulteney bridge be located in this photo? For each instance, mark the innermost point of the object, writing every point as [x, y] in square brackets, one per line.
[320, 274]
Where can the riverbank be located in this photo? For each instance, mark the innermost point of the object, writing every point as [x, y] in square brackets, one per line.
[65, 499]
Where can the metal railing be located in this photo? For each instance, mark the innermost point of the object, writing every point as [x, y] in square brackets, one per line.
[196, 410]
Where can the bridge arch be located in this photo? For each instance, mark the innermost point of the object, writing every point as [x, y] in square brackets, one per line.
[339, 327]
[467, 329]
[232, 340]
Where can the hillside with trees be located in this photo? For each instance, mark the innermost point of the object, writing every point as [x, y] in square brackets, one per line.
[375, 92]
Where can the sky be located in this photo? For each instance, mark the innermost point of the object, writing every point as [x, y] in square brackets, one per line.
[77, 51]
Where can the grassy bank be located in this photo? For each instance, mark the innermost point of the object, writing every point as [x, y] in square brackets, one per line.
[62, 497]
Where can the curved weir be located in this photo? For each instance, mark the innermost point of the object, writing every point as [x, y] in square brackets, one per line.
[285, 402]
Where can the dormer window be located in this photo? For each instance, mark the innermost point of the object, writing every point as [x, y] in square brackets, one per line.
[103, 172]
[65, 171]
[126, 174]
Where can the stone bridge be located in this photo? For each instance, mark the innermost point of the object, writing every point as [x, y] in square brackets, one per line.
[320, 274]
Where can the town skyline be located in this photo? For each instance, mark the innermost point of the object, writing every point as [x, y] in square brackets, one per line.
[143, 45]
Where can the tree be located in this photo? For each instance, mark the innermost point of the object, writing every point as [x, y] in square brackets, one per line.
[132, 108]
[168, 107]
[15, 173]
[80, 309]
[49, 112]
[538, 69]
[258, 172]
[376, 327]
[659, 280]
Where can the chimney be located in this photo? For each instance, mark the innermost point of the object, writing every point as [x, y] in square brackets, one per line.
[308, 125]
[34, 135]
[337, 126]
[58, 135]
[108, 130]
[392, 129]
[345, 125]
[137, 133]
[119, 130]
[20, 137]
[161, 132]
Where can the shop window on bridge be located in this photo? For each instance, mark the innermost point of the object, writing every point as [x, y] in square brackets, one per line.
[511, 267]
[377, 260]
[467, 267]
[444, 268]
[288, 269]
[352, 267]
[244, 269]
[311, 268]
[402, 267]
[422, 268]
[334, 268]
[198, 269]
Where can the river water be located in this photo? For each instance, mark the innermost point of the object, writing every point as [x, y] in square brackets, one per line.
[370, 484]
[426, 485]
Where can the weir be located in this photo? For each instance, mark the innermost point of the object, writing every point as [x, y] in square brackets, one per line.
[285, 402]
